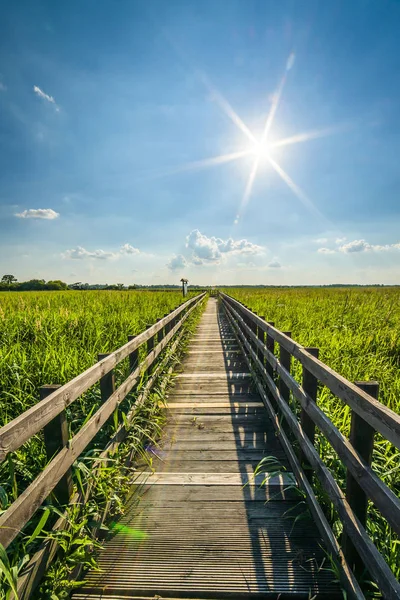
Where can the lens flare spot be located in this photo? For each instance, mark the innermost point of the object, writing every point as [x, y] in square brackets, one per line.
[130, 531]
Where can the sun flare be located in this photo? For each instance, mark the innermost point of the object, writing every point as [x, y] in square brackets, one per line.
[261, 150]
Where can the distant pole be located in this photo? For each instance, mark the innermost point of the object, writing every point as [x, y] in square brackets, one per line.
[184, 287]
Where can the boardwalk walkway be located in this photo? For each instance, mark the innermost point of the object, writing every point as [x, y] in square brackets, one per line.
[202, 528]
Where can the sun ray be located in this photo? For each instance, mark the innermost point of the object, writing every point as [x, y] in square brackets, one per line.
[205, 163]
[308, 135]
[276, 100]
[248, 189]
[227, 108]
[295, 189]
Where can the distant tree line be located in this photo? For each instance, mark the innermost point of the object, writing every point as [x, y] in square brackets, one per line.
[9, 283]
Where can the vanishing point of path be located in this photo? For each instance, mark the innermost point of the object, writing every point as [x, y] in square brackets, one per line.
[203, 527]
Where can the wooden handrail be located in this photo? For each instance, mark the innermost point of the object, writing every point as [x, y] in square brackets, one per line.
[375, 489]
[23, 508]
[380, 417]
[22, 428]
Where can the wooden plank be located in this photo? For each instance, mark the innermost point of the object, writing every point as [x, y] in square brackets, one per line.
[30, 422]
[224, 375]
[219, 479]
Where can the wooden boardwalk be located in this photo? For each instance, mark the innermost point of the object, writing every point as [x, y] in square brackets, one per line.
[200, 526]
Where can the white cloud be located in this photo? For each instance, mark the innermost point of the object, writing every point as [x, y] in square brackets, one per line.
[128, 249]
[45, 96]
[355, 246]
[274, 264]
[321, 241]
[359, 246]
[80, 253]
[177, 263]
[326, 251]
[38, 213]
[339, 241]
[212, 249]
[41, 94]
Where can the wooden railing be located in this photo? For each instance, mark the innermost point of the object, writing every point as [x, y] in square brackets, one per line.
[276, 384]
[49, 415]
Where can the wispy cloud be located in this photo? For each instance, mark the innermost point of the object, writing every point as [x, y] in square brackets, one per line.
[45, 96]
[38, 213]
[80, 253]
[326, 251]
[357, 246]
[3, 87]
[274, 264]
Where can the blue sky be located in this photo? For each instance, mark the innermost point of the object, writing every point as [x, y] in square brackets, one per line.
[114, 118]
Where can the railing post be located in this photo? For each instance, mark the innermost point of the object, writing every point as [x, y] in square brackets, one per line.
[133, 357]
[310, 386]
[285, 358]
[254, 329]
[261, 337]
[55, 439]
[150, 348]
[107, 382]
[362, 440]
[167, 327]
[270, 344]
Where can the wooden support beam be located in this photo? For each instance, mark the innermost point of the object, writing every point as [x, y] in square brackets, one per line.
[261, 337]
[285, 359]
[362, 439]
[310, 387]
[270, 343]
[133, 357]
[55, 439]
[107, 382]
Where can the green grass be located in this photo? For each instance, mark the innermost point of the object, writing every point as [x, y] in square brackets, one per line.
[358, 334]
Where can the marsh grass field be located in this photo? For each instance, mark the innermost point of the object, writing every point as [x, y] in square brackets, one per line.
[51, 337]
[357, 331]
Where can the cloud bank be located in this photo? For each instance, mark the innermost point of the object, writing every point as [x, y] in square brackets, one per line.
[80, 253]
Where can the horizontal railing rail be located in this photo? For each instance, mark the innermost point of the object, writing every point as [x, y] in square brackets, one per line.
[50, 413]
[257, 338]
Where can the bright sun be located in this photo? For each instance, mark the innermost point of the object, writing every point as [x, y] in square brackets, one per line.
[262, 151]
